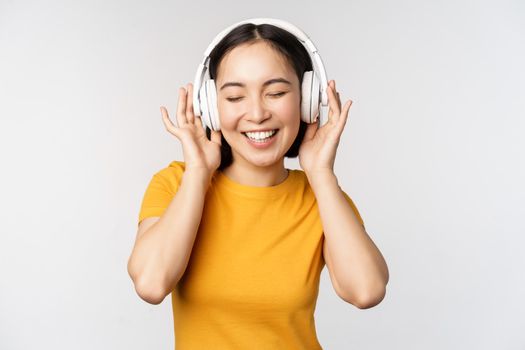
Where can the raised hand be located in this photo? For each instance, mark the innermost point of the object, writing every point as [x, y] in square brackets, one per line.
[199, 152]
[318, 149]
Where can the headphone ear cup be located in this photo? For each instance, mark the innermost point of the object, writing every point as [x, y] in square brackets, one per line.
[212, 104]
[310, 98]
[315, 98]
[306, 89]
[203, 103]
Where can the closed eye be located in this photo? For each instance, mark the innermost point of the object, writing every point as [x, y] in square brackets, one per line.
[235, 99]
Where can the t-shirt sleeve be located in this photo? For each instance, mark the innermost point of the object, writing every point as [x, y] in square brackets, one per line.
[354, 208]
[160, 191]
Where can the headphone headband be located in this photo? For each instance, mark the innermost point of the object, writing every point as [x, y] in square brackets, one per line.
[318, 66]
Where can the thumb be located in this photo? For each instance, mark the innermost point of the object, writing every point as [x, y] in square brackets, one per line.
[216, 136]
[310, 131]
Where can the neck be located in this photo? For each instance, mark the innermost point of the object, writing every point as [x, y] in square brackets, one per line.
[252, 175]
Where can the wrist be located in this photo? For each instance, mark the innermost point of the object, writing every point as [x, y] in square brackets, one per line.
[317, 178]
[197, 175]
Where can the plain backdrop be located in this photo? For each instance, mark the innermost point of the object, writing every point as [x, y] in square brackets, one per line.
[432, 155]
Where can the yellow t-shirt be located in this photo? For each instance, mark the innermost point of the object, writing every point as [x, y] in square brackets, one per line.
[252, 280]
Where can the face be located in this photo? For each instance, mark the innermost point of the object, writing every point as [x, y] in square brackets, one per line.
[257, 89]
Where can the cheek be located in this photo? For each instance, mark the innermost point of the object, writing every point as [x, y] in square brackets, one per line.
[291, 110]
[227, 116]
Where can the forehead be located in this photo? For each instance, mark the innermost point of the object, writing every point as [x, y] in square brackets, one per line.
[254, 63]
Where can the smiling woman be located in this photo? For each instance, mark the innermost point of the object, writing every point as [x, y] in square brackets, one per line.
[259, 74]
[238, 240]
[260, 103]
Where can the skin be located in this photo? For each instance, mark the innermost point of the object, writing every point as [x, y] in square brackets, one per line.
[357, 269]
[257, 107]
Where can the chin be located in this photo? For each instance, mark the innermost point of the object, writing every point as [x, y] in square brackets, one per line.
[262, 160]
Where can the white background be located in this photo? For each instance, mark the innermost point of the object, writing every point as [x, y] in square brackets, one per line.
[430, 155]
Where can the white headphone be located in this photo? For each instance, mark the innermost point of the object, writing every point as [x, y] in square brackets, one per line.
[313, 89]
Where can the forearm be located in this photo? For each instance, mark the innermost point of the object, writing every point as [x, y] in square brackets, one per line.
[358, 265]
[160, 256]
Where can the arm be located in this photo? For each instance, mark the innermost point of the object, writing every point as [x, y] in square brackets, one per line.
[163, 245]
[357, 268]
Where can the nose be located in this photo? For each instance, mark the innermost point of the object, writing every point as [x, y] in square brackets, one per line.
[259, 112]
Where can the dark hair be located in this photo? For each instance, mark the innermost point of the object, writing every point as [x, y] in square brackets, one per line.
[283, 42]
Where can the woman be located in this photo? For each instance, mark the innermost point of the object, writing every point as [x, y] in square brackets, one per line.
[236, 238]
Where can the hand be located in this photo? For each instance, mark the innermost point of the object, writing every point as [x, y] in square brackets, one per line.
[199, 152]
[318, 149]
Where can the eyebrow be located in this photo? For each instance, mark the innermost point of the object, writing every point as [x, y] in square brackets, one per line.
[266, 83]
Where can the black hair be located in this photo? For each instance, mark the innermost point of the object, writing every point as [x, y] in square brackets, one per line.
[283, 42]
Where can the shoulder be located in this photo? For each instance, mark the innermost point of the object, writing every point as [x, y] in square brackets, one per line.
[303, 181]
[300, 185]
[176, 166]
[300, 176]
[299, 179]
[170, 176]
[173, 169]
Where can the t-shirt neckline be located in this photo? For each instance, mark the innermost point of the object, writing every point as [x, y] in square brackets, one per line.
[256, 191]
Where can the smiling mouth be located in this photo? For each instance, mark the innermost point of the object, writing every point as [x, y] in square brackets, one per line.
[275, 132]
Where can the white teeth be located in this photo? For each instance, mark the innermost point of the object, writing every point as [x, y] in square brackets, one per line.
[260, 135]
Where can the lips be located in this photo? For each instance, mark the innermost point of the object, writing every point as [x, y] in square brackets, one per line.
[275, 133]
[244, 132]
[262, 144]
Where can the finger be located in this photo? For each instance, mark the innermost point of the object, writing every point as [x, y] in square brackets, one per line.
[337, 94]
[216, 136]
[311, 129]
[198, 121]
[190, 117]
[344, 114]
[167, 122]
[334, 107]
[181, 108]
